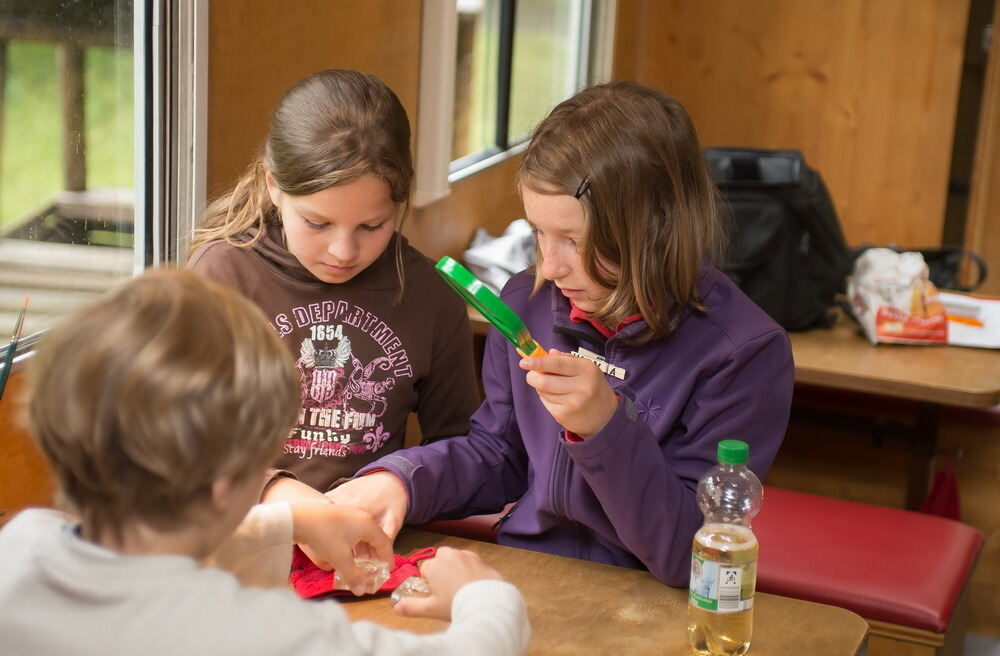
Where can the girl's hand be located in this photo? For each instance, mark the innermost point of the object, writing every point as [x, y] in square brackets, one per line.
[445, 573]
[382, 494]
[332, 536]
[573, 390]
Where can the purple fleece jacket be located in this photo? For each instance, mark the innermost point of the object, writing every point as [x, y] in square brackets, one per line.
[625, 496]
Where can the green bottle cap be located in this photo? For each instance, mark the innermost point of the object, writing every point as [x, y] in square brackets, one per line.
[733, 452]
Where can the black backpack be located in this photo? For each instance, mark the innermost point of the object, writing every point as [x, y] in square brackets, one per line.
[786, 248]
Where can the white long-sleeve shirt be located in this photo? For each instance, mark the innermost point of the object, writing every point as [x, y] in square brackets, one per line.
[60, 594]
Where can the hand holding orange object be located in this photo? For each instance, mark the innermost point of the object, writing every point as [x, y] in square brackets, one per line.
[573, 390]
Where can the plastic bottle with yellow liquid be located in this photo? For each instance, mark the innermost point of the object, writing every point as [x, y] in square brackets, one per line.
[724, 556]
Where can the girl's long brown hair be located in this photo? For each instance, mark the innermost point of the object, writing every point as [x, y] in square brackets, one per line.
[330, 127]
[632, 156]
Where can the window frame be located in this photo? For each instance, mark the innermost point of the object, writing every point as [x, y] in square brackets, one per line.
[170, 92]
[435, 170]
[174, 132]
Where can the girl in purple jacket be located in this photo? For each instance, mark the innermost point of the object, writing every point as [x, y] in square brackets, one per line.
[654, 355]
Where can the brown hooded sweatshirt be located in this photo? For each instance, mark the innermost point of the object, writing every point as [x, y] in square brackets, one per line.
[365, 361]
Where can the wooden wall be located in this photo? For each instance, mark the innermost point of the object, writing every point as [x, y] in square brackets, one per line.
[259, 48]
[867, 89]
[487, 199]
[983, 227]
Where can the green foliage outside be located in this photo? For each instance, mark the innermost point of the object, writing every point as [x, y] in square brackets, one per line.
[541, 64]
[31, 150]
[538, 79]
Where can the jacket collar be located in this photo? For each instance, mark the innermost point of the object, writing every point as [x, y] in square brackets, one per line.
[560, 306]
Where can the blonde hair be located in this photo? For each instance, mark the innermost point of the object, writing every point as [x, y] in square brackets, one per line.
[632, 157]
[142, 399]
[329, 128]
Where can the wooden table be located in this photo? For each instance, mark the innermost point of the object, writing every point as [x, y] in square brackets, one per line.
[580, 607]
[842, 358]
[930, 376]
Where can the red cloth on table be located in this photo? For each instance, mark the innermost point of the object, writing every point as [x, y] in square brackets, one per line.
[311, 582]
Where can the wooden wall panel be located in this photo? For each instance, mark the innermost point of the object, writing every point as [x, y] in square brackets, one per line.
[25, 478]
[258, 48]
[867, 89]
[487, 199]
[983, 225]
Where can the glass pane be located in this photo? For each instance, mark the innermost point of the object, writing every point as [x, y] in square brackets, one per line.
[546, 61]
[66, 154]
[477, 57]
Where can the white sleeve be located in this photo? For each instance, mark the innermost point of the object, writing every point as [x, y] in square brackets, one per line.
[487, 618]
[259, 552]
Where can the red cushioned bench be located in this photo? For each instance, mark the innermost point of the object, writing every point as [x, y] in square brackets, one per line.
[906, 573]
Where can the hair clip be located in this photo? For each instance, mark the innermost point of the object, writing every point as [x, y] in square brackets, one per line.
[584, 186]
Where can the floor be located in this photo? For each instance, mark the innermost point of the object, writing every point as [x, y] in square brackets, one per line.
[977, 645]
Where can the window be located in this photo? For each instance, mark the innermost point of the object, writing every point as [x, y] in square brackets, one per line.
[514, 62]
[67, 164]
[492, 69]
[102, 110]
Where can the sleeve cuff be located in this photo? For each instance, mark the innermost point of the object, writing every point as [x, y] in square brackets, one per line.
[272, 476]
[259, 552]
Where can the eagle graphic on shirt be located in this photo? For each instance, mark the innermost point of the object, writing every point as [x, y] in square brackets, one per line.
[343, 398]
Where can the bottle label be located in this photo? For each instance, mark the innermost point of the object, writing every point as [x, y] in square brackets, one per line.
[722, 587]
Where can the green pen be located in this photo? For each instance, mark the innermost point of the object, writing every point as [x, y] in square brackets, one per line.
[490, 306]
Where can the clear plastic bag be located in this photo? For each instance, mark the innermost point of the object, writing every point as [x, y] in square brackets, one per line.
[894, 300]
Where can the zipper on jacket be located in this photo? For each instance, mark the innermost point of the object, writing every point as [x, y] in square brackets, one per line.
[581, 336]
[503, 518]
[558, 486]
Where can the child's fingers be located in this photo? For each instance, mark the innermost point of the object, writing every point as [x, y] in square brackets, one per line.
[548, 363]
[390, 522]
[354, 578]
[318, 560]
[370, 540]
[364, 551]
[555, 363]
[551, 385]
[380, 547]
[422, 607]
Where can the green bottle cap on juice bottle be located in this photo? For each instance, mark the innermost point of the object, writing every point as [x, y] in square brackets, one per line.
[733, 452]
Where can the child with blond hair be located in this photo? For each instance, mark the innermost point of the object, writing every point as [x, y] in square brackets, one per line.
[159, 408]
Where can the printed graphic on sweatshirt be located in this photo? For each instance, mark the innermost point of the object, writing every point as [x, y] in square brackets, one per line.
[344, 397]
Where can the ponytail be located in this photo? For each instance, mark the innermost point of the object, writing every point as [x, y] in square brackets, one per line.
[248, 205]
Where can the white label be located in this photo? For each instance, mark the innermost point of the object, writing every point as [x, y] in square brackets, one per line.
[730, 583]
